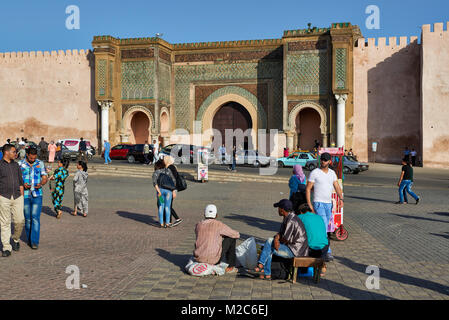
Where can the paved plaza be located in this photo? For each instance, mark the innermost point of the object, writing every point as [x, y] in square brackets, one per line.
[122, 254]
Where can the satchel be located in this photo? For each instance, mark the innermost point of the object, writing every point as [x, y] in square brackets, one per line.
[165, 182]
[181, 183]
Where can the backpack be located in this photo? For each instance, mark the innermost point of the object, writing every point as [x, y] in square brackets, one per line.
[298, 198]
[280, 268]
[181, 183]
[165, 182]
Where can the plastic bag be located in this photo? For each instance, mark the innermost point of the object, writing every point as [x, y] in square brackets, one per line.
[199, 269]
[246, 254]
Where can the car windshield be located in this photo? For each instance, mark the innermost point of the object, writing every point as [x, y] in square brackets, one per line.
[351, 158]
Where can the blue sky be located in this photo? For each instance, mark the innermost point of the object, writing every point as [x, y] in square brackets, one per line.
[31, 25]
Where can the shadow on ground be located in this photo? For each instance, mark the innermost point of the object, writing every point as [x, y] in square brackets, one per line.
[418, 218]
[398, 277]
[144, 218]
[263, 224]
[51, 212]
[369, 199]
[179, 260]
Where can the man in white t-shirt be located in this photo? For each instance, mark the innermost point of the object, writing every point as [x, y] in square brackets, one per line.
[323, 180]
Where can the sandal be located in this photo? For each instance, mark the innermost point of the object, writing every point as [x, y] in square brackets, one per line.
[59, 214]
[264, 277]
[258, 269]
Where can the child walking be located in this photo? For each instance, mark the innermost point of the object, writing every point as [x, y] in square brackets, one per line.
[59, 176]
[80, 192]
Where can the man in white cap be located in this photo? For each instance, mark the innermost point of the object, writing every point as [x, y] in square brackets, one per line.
[215, 241]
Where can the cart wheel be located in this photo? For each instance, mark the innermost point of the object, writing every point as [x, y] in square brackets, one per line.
[341, 234]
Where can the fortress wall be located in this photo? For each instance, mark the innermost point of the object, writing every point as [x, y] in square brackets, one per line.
[386, 98]
[49, 94]
[435, 95]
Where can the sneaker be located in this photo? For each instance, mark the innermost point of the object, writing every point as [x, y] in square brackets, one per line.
[328, 258]
[15, 245]
[417, 200]
[6, 253]
[399, 202]
[174, 224]
[34, 246]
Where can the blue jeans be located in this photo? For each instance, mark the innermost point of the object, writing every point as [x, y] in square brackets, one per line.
[267, 254]
[324, 210]
[32, 211]
[164, 208]
[407, 185]
[107, 158]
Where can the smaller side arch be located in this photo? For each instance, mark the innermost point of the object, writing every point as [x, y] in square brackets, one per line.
[127, 117]
[308, 104]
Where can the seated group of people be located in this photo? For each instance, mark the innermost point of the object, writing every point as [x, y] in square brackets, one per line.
[300, 235]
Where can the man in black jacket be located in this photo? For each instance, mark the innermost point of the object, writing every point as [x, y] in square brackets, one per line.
[83, 150]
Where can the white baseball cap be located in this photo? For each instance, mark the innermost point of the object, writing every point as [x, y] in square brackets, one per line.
[210, 211]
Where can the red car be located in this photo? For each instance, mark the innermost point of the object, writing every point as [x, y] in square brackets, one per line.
[119, 152]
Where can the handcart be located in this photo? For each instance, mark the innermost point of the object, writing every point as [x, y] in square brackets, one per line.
[335, 226]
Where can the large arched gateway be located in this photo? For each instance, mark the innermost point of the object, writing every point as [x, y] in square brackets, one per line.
[232, 116]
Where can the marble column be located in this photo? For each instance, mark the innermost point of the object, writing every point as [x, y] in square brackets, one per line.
[341, 119]
[290, 136]
[105, 106]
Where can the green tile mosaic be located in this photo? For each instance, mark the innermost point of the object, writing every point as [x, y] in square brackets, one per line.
[138, 80]
[307, 73]
[340, 68]
[186, 74]
[164, 82]
[101, 74]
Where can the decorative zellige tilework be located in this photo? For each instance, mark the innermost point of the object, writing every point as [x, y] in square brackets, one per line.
[111, 75]
[138, 80]
[164, 82]
[307, 73]
[340, 68]
[101, 74]
[185, 74]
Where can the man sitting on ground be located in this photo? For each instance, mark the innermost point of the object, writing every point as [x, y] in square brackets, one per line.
[215, 241]
[290, 242]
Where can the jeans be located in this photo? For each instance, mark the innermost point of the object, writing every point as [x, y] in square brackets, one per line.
[107, 158]
[164, 208]
[324, 210]
[267, 254]
[407, 185]
[32, 210]
[228, 251]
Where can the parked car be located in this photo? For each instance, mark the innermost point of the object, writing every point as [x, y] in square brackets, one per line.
[186, 153]
[311, 164]
[252, 158]
[295, 158]
[351, 165]
[73, 144]
[119, 152]
[66, 153]
[135, 153]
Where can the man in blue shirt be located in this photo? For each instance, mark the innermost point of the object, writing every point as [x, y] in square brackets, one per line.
[316, 232]
[34, 178]
[107, 151]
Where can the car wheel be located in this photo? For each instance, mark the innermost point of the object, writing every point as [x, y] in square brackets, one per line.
[311, 167]
[280, 164]
[256, 164]
[347, 170]
[131, 159]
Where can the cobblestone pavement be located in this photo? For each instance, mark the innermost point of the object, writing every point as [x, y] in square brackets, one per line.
[122, 255]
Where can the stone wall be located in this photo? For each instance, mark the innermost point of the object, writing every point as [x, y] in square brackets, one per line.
[49, 95]
[435, 95]
[387, 98]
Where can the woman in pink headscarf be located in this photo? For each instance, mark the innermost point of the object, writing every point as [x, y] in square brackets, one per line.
[297, 179]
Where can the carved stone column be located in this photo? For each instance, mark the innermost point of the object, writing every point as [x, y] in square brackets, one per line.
[290, 136]
[105, 106]
[341, 119]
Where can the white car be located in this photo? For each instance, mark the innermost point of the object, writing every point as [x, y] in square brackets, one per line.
[74, 145]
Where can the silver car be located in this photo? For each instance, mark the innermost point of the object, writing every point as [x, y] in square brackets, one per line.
[253, 158]
[351, 165]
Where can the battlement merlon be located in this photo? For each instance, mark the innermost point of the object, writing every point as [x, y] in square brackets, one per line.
[369, 43]
[4, 56]
[438, 28]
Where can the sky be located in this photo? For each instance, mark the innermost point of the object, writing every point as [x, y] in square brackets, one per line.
[33, 25]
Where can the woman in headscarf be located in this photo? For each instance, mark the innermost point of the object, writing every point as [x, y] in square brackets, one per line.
[297, 181]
